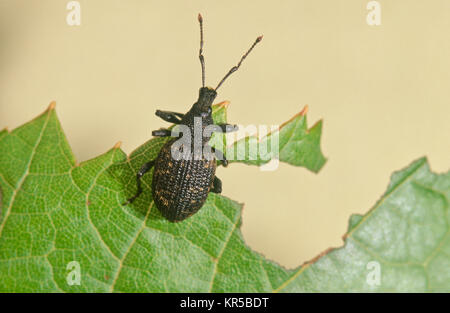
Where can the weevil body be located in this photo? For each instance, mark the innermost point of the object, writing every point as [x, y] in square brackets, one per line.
[180, 186]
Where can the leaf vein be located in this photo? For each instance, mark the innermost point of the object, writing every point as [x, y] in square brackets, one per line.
[27, 170]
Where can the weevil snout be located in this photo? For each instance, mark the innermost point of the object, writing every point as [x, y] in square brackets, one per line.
[206, 97]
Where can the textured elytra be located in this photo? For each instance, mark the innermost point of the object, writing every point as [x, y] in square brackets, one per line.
[183, 173]
[180, 187]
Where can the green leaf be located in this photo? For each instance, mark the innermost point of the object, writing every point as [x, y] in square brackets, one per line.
[292, 143]
[56, 211]
[405, 235]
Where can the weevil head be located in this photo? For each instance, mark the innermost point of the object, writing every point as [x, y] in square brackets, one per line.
[205, 100]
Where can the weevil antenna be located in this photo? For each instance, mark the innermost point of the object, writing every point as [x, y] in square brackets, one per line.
[200, 53]
[235, 68]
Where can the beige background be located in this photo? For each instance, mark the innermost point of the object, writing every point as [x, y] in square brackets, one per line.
[383, 92]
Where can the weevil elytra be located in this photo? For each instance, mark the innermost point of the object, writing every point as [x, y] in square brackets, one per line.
[180, 186]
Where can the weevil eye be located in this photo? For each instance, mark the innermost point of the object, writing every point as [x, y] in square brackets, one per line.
[207, 113]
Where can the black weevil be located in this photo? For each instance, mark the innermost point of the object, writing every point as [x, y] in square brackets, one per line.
[180, 186]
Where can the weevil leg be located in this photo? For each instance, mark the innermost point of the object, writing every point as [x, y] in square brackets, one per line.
[144, 169]
[217, 185]
[227, 128]
[162, 132]
[220, 156]
[171, 117]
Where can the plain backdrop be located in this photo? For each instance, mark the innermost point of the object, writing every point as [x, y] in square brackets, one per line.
[382, 91]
